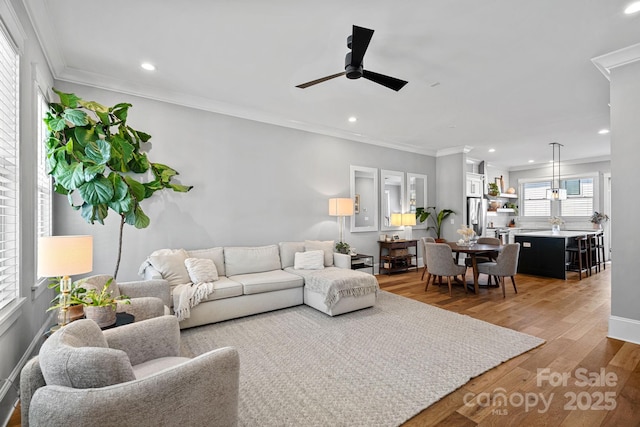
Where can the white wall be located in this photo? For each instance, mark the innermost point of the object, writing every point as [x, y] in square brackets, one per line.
[254, 183]
[21, 324]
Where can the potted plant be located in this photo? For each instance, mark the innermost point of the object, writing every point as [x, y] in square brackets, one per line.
[342, 247]
[422, 214]
[100, 305]
[100, 163]
[598, 218]
[494, 190]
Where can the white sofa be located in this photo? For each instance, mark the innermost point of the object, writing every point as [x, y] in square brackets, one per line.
[253, 280]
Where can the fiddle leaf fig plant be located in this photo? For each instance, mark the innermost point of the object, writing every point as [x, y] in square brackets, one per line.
[98, 162]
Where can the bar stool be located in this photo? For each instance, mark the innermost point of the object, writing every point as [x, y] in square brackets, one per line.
[579, 257]
[597, 247]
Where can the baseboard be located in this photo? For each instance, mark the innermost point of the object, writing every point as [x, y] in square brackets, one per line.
[624, 329]
[9, 389]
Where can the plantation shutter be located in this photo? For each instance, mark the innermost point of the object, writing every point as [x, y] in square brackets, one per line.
[9, 178]
[580, 199]
[535, 199]
[44, 192]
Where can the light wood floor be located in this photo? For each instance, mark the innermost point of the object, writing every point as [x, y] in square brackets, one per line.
[572, 316]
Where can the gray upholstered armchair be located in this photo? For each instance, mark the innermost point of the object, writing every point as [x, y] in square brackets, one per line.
[149, 298]
[132, 375]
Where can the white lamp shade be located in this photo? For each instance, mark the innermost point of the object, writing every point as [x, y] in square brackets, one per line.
[64, 255]
[340, 207]
[396, 219]
[409, 219]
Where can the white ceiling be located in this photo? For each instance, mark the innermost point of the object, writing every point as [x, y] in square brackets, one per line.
[513, 75]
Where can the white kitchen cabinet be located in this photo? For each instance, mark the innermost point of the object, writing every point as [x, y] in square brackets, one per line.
[475, 185]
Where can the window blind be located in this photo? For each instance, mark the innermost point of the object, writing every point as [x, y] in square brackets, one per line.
[580, 200]
[535, 199]
[9, 178]
[43, 196]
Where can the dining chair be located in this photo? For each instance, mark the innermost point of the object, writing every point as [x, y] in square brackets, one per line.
[441, 263]
[505, 265]
[424, 241]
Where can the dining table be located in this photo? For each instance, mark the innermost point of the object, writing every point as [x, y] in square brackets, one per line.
[472, 250]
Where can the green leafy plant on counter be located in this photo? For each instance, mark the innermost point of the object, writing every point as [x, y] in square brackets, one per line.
[94, 158]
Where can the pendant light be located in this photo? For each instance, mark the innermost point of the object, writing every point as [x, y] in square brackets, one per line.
[555, 192]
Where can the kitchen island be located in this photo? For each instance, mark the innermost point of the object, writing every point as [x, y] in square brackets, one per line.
[543, 253]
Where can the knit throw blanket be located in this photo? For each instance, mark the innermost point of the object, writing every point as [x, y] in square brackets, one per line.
[187, 296]
[336, 283]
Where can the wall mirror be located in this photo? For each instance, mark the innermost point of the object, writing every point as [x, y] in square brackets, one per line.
[416, 195]
[392, 197]
[364, 192]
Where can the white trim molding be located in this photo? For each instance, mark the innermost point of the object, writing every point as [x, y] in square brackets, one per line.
[617, 58]
[621, 328]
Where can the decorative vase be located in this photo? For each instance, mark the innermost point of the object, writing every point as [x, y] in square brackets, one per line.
[555, 228]
[597, 226]
[103, 316]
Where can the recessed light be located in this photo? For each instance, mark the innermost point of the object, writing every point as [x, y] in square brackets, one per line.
[492, 150]
[148, 66]
[603, 131]
[632, 8]
[352, 119]
[531, 161]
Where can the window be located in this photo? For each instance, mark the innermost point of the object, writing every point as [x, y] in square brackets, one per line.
[44, 191]
[535, 202]
[579, 200]
[9, 178]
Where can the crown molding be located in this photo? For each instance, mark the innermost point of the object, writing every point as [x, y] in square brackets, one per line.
[605, 63]
[454, 150]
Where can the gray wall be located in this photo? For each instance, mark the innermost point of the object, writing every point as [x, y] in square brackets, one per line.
[451, 182]
[625, 140]
[254, 183]
[20, 332]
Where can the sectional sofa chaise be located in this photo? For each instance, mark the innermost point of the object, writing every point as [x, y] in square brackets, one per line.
[251, 280]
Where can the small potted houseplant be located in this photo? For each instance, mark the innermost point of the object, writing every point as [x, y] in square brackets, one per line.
[100, 305]
[342, 247]
[494, 190]
[422, 214]
[598, 218]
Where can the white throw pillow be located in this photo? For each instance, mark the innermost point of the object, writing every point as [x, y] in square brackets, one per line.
[214, 254]
[326, 246]
[201, 270]
[309, 260]
[171, 265]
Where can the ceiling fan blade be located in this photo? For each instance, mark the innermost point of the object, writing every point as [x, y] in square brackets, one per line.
[390, 82]
[323, 79]
[359, 43]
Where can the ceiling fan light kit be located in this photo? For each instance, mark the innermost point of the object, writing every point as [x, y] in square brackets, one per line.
[358, 42]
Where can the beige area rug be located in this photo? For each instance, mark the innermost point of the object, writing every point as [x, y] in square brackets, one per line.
[374, 367]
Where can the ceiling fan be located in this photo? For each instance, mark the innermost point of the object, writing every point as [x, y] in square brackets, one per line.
[358, 42]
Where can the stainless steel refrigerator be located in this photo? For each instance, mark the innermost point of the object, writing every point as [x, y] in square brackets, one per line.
[477, 215]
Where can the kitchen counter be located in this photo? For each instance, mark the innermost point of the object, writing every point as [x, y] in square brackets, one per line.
[543, 253]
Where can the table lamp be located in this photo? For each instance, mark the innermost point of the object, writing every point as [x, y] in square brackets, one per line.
[341, 207]
[406, 220]
[63, 256]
